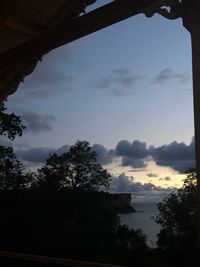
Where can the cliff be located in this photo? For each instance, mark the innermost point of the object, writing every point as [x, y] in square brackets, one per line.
[121, 202]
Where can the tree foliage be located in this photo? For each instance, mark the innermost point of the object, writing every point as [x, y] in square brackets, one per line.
[71, 224]
[10, 124]
[12, 173]
[78, 224]
[178, 218]
[77, 168]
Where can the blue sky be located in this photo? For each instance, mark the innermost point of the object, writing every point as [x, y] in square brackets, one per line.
[131, 81]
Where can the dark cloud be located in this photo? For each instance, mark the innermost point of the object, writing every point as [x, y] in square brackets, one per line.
[133, 162]
[133, 154]
[125, 184]
[152, 175]
[177, 156]
[121, 183]
[119, 82]
[39, 155]
[168, 75]
[51, 77]
[136, 149]
[136, 155]
[167, 178]
[104, 155]
[36, 122]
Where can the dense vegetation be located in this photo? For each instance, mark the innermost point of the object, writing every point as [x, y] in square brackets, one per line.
[178, 218]
[58, 211]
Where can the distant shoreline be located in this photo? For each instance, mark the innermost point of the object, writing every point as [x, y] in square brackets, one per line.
[121, 202]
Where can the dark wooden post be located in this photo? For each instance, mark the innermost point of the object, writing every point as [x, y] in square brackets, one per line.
[191, 22]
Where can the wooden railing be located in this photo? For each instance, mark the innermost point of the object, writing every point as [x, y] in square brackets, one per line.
[51, 260]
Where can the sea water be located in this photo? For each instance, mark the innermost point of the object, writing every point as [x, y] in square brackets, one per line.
[142, 219]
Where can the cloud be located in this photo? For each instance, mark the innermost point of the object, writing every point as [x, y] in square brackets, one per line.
[119, 82]
[40, 154]
[125, 184]
[168, 75]
[124, 81]
[36, 122]
[152, 175]
[133, 154]
[51, 77]
[133, 162]
[167, 178]
[104, 155]
[177, 156]
[121, 183]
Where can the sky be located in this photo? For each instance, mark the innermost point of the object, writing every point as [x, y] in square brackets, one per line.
[127, 90]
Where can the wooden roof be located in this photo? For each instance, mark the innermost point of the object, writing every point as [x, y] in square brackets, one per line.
[31, 28]
[23, 22]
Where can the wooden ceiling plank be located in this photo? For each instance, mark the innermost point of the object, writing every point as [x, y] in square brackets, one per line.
[22, 25]
[7, 8]
[32, 15]
[66, 10]
[15, 35]
[25, 57]
[100, 18]
[57, 3]
[77, 28]
[12, 38]
[42, 7]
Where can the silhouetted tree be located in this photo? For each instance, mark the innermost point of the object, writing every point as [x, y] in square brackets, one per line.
[10, 124]
[74, 224]
[77, 224]
[12, 175]
[77, 168]
[179, 220]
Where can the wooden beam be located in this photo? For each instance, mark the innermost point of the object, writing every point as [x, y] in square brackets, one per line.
[69, 31]
[191, 22]
[23, 25]
[52, 260]
[65, 10]
[7, 8]
[98, 19]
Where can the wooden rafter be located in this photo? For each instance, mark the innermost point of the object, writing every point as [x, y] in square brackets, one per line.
[70, 26]
[79, 27]
[7, 7]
